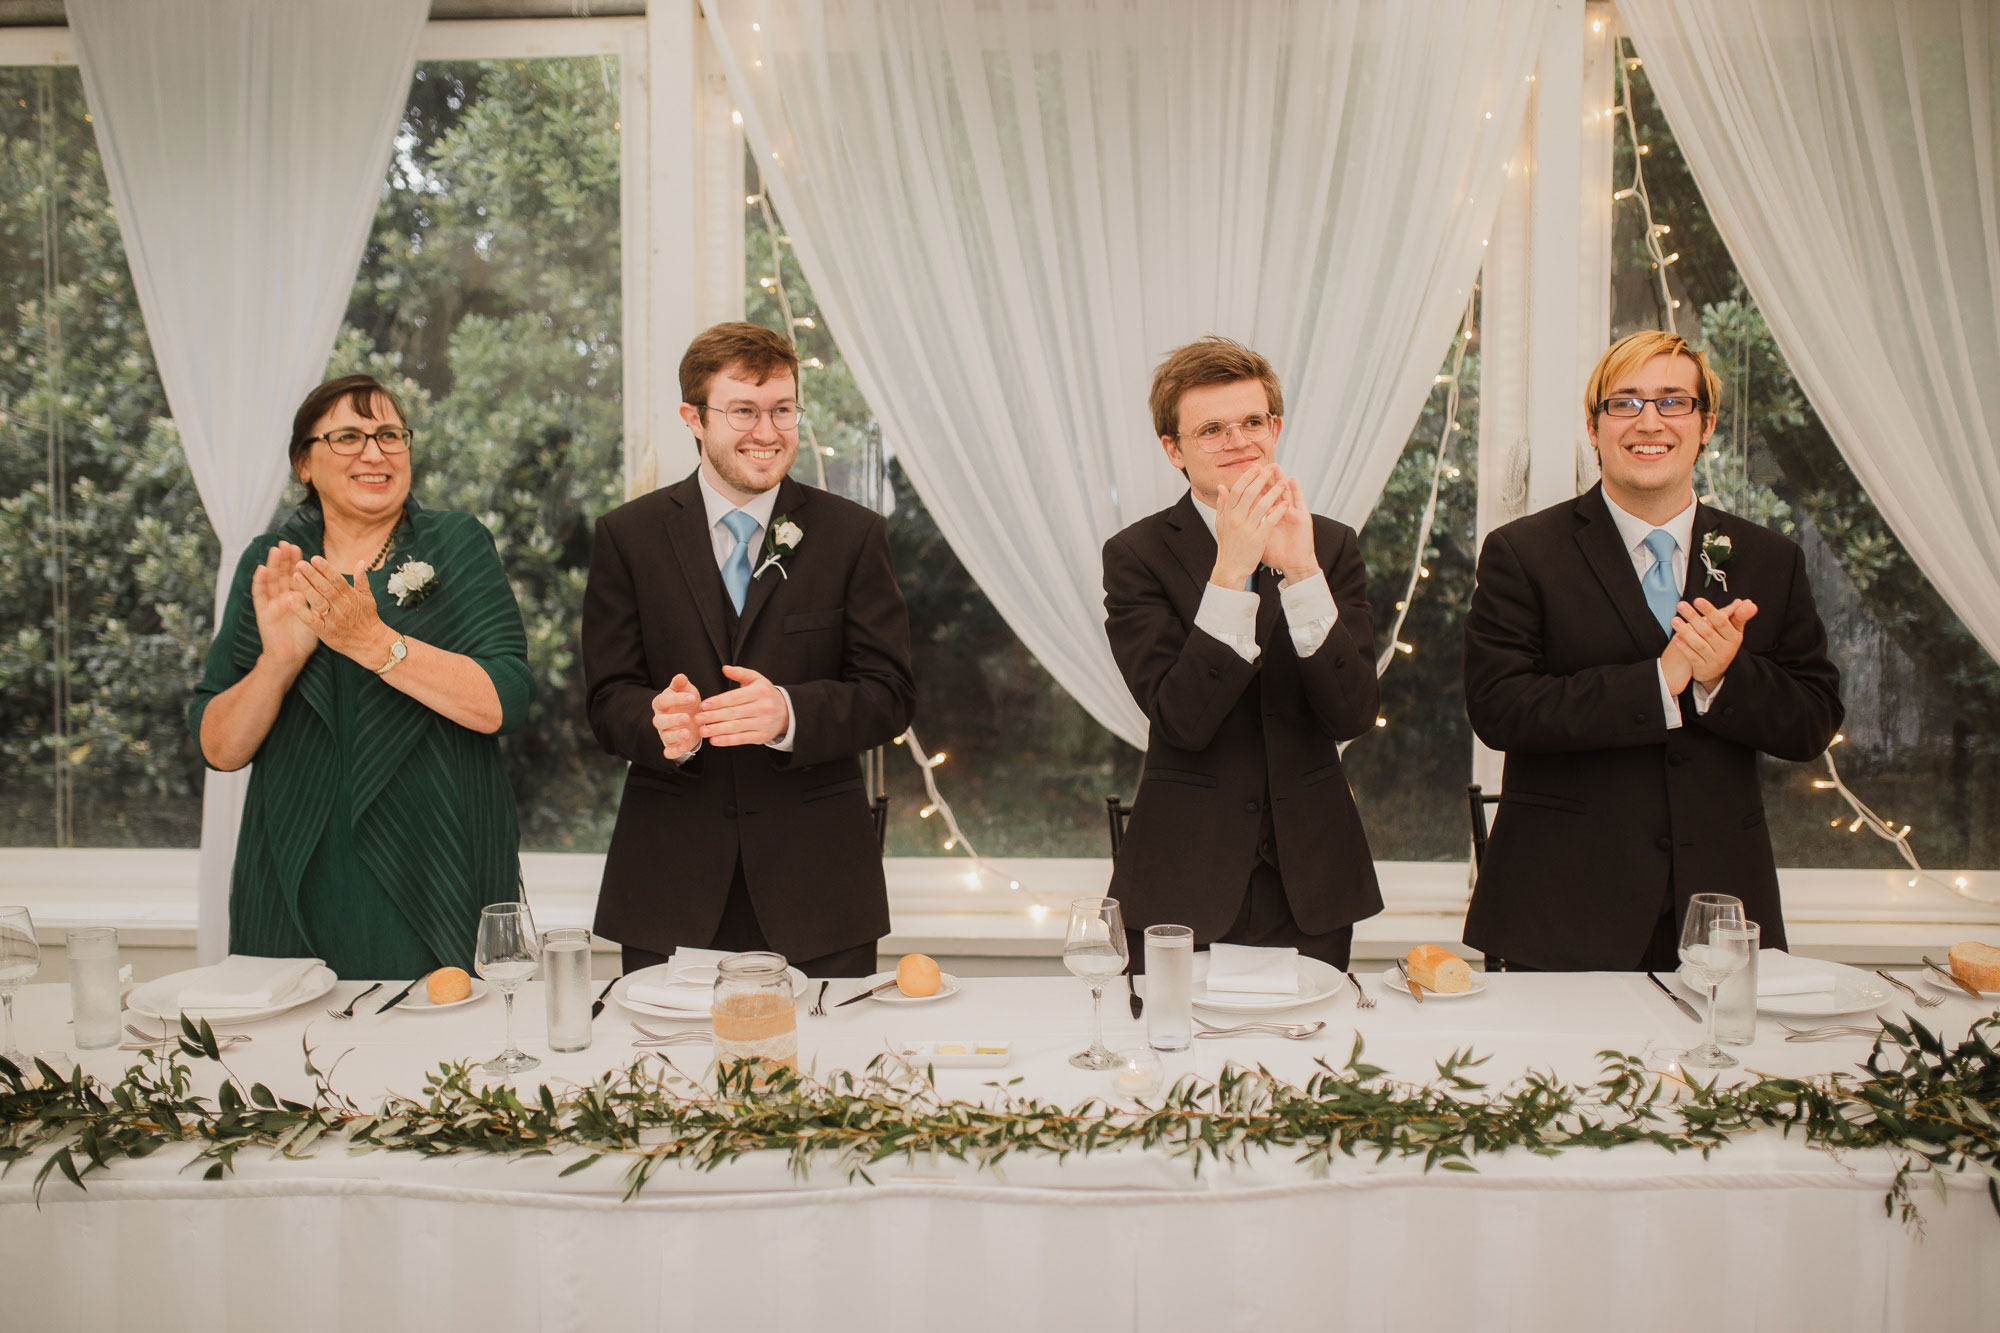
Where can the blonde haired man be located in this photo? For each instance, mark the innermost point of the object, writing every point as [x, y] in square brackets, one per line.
[1243, 828]
[1632, 652]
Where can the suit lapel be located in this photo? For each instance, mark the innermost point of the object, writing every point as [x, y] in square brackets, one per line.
[1191, 542]
[1597, 537]
[694, 552]
[792, 500]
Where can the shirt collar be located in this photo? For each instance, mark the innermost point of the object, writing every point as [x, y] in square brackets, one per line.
[1633, 530]
[1205, 509]
[716, 505]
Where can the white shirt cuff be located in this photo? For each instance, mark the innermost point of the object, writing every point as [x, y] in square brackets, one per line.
[1229, 614]
[1704, 697]
[1670, 705]
[784, 742]
[1310, 611]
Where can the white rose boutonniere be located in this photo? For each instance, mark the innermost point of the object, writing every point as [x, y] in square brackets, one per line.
[412, 582]
[780, 540]
[1715, 552]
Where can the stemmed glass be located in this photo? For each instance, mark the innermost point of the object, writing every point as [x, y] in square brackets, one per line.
[1094, 948]
[1715, 946]
[20, 958]
[508, 953]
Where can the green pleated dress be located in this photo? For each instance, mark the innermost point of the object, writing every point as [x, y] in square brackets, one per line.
[374, 828]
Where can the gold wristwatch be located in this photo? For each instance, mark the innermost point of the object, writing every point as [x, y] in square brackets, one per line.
[397, 652]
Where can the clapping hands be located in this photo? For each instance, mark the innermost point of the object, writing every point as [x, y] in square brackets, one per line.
[1706, 640]
[1262, 519]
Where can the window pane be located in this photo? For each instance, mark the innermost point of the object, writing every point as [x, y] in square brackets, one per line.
[1922, 696]
[489, 299]
[107, 561]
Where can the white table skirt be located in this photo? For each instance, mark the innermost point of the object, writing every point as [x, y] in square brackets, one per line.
[1766, 1233]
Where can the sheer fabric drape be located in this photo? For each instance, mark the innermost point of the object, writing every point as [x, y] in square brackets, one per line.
[244, 142]
[1010, 211]
[1847, 153]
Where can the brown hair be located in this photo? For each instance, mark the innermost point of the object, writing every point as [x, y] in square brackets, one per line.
[757, 349]
[1212, 360]
[1634, 350]
[362, 393]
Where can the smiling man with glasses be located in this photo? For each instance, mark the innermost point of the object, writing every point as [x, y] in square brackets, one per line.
[1632, 651]
[1243, 827]
[744, 641]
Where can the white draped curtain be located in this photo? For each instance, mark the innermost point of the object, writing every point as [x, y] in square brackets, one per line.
[245, 143]
[1850, 156]
[1011, 211]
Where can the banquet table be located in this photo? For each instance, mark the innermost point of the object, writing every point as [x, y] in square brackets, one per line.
[1764, 1233]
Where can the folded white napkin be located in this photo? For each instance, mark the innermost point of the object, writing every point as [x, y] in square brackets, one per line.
[1239, 968]
[243, 982]
[1778, 973]
[687, 983]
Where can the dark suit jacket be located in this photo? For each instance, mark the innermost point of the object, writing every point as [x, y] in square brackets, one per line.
[1604, 810]
[1231, 739]
[832, 630]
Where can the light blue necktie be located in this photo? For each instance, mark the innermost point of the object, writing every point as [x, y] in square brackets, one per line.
[1658, 585]
[736, 569]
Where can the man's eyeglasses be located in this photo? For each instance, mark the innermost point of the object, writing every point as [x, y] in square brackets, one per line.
[784, 418]
[1674, 405]
[393, 439]
[1212, 437]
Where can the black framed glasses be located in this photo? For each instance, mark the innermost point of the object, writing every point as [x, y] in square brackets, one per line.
[1673, 405]
[784, 417]
[348, 442]
[1212, 437]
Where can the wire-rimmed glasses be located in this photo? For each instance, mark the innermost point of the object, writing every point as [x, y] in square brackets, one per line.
[1212, 437]
[744, 418]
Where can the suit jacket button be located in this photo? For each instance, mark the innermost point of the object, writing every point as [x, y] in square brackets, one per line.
[1729, 710]
[1639, 719]
[729, 812]
[1676, 758]
[1664, 844]
[1213, 672]
[1340, 664]
[1250, 807]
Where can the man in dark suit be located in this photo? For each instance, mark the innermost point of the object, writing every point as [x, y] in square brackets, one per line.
[744, 642]
[1632, 651]
[1243, 827]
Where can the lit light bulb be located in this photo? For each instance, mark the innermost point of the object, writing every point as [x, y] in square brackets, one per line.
[828, 451]
[1381, 721]
[1855, 827]
[1625, 193]
[751, 199]
[972, 879]
[736, 117]
[1423, 571]
[950, 843]
[927, 812]
[804, 322]
[1644, 149]
[1837, 739]
[937, 759]
[1822, 784]
[1013, 883]
[1405, 647]
[1039, 912]
[1671, 258]
[1960, 881]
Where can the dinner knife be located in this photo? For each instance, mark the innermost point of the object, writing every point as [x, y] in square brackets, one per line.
[1138, 1005]
[401, 995]
[1680, 1001]
[1416, 991]
[888, 985]
[1955, 979]
[597, 1007]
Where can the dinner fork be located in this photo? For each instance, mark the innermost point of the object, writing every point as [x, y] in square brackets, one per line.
[1362, 999]
[1927, 1001]
[1294, 1031]
[169, 1038]
[677, 1039]
[644, 1031]
[348, 1012]
[1830, 1032]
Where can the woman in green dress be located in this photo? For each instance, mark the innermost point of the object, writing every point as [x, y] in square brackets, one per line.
[370, 654]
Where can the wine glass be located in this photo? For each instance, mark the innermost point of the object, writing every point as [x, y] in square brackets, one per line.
[1094, 948]
[1715, 945]
[508, 953]
[20, 958]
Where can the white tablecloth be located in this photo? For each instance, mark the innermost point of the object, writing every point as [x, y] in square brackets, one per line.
[1766, 1233]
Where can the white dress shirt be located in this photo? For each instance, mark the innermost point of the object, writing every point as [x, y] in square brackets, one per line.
[1230, 614]
[1633, 531]
[718, 507]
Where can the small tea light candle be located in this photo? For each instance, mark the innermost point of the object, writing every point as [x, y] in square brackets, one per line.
[1137, 1074]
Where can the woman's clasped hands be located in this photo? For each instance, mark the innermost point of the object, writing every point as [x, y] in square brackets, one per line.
[303, 603]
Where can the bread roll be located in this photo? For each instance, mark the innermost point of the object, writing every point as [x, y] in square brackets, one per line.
[1439, 970]
[448, 985]
[917, 975]
[1977, 965]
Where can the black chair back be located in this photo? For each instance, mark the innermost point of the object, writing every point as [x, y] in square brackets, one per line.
[1476, 802]
[879, 810]
[1117, 813]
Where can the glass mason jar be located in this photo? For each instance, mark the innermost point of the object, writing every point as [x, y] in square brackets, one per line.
[756, 1015]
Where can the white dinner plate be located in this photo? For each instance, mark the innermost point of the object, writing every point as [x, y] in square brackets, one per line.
[1393, 979]
[658, 972]
[1937, 982]
[419, 1001]
[1854, 992]
[1317, 981]
[947, 986]
[156, 999]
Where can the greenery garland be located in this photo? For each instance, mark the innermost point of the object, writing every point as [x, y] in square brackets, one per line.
[1937, 1109]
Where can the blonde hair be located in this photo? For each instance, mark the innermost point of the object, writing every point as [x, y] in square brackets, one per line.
[1212, 360]
[1626, 355]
